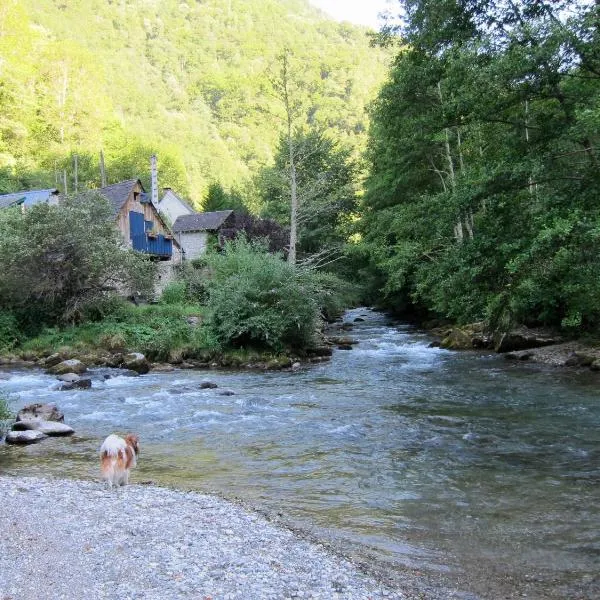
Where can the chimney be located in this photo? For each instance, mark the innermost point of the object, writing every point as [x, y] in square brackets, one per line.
[154, 179]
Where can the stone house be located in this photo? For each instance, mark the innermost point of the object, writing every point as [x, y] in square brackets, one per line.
[193, 231]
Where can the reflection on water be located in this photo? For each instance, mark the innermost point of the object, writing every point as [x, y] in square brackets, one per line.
[459, 464]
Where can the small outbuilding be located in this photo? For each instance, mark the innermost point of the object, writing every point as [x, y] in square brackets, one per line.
[193, 231]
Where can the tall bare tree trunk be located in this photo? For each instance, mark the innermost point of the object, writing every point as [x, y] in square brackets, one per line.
[289, 112]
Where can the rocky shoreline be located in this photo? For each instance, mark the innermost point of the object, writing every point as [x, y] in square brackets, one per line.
[521, 344]
[78, 539]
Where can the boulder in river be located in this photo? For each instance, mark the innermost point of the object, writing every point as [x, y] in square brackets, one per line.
[29, 436]
[83, 383]
[207, 385]
[69, 377]
[45, 412]
[136, 361]
[68, 366]
[52, 428]
[522, 338]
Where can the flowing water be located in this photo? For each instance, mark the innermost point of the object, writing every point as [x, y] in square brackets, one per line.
[461, 467]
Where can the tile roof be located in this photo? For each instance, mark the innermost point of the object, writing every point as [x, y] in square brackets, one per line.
[117, 193]
[209, 221]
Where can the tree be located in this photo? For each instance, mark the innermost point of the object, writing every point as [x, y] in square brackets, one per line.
[480, 199]
[325, 177]
[57, 260]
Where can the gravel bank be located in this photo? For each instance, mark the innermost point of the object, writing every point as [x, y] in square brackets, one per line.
[64, 539]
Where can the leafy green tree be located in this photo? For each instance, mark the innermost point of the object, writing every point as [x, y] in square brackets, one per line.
[218, 199]
[256, 299]
[483, 186]
[326, 190]
[58, 260]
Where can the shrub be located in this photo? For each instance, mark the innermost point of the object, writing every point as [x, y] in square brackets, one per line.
[5, 414]
[256, 299]
[174, 293]
[9, 331]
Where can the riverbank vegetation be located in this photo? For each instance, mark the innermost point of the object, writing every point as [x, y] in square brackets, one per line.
[483, 198]
[66, 275]
[474, 195]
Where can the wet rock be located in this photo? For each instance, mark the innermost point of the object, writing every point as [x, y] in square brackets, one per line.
[207, 385]
[136, 361]
[114, 360]
[226, 393]
[579, 359]
[29, 436]
[163, 367]
[53, 360]
[83, 383]
[523, 355]
[296, 366]
[523, 338]
[465, 338]
[69, 377]
[595, 366]
[344, 347]
[278, 363]
[45, 412]
[50, 428]
[68, 366]
[346, 326]
[358, 320]
[343, 340]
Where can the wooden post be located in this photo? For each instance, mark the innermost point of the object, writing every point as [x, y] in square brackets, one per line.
[76, 174]
[102, 170]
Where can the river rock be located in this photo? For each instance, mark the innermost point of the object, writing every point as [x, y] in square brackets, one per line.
[69, 377]
[45, 412]
[53, 360]
[343, 340]
[83, 383]
[68, 366]
[467, 337]
[136, 361]
[207, 385]
[226, 393]
[523, 338]
[29, 436]
[52, 428]
[579, 359]
[283, 362]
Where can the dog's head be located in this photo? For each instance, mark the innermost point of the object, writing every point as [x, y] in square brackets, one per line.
[133, 441]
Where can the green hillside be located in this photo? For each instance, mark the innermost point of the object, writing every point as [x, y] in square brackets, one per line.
[187, 79]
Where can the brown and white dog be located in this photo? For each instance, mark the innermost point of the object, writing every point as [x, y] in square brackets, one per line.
[117, 457]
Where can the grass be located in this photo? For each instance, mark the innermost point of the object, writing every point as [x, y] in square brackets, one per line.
[158, 331]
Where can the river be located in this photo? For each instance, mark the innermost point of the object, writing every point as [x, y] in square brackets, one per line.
[459, 467]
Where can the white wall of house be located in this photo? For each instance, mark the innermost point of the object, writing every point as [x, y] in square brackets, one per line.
[194, 243]
[171, 207]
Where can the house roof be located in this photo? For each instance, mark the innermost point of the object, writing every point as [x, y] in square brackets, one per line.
[117, 193]
[208, 221]
[28, 197]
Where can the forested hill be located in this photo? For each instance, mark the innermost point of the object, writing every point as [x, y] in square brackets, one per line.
[187, 79]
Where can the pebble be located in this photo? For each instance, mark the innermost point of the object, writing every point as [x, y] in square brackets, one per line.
[80, 539]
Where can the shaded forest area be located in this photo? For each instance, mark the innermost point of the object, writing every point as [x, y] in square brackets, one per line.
[483, 196]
